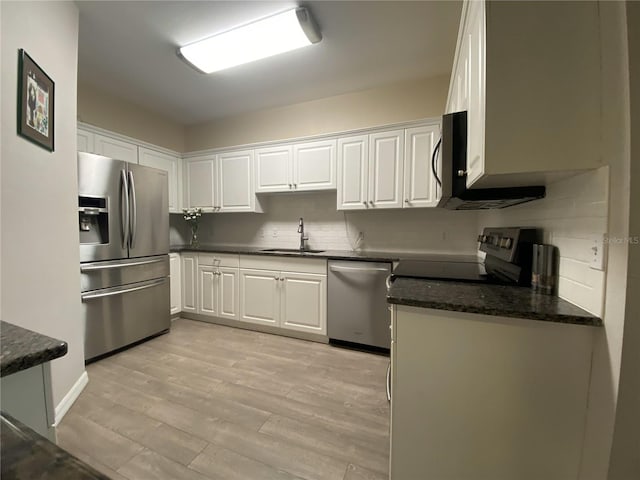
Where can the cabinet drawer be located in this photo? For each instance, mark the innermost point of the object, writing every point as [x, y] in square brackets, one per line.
[284, 264]
[218, 259]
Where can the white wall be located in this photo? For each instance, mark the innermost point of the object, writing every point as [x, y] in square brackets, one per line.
[39, 271]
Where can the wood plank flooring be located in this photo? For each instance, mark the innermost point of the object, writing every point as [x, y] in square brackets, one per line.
[212, 402]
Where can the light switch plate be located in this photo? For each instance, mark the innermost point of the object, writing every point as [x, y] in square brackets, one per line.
[597, 252]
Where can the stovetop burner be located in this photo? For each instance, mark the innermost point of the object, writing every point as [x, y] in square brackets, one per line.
[507, 261]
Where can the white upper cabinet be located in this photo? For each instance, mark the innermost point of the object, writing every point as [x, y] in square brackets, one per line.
[420, 187]
[170, 164]
[307, 166]
[274, 168]
[531, 89]
[115, 148]
[314, 165]
[200, 180]
[221, 183]
[353, 172]
[375, 170]
[235, 182]
[386, 158]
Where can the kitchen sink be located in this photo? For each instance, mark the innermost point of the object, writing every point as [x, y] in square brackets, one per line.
[290, 250]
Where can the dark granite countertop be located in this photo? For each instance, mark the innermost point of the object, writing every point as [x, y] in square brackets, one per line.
[21, 348]
[487, 299]
[362, 255]
[29, 456]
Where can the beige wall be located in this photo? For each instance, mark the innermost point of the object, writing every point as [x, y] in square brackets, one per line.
[101, 109]
[40, 258]
[398, 102]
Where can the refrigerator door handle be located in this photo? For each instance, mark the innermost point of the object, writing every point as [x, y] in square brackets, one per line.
[134, 211]
[124, 208]
[389, 382]
[120, 290]
[90, 267]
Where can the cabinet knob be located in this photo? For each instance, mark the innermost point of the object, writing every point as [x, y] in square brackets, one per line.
[406, 200]
[462, 173]
[371, 202]
[290, 186]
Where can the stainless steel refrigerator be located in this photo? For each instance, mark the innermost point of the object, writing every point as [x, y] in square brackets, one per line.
[123, 224]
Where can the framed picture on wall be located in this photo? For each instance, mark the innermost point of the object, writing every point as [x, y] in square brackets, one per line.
[35, 102]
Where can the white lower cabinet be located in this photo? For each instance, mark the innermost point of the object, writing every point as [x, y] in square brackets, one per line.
[284, 292]
[303, 302]
[218, 282]
[175, 283]
[189, 276]
[260, 296]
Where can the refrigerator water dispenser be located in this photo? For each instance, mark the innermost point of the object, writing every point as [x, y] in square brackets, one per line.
[93, 220]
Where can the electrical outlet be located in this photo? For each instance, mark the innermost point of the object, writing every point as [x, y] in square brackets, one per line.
[597, 252]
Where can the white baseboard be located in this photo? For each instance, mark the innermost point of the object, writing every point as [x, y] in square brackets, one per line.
[63, 407]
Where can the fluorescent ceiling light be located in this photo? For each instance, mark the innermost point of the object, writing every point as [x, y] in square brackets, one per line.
[260, 39]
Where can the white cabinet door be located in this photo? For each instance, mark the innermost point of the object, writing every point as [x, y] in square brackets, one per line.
[476, 105]
[200, 174]
[420, 188]
[114, 148]
[171, 165]
[274, 166]
[228, 293]
[314, 166]
[175, 282]
[189, 274]
[207, 290]
[304, 302]
[85, 141]
[235, 174]
[353, 172]
[260, 296]
[386, 152]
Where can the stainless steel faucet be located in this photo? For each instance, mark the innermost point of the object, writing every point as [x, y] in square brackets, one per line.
[301, 232]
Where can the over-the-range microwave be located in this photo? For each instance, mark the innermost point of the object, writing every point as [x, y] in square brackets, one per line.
[455, 194]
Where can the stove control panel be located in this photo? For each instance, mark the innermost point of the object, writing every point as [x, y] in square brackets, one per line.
[505, 243]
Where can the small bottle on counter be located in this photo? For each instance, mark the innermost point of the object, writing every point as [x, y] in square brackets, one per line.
[543, 269]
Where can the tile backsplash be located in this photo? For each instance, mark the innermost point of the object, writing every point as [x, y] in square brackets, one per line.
[408, 230]
[572, 213]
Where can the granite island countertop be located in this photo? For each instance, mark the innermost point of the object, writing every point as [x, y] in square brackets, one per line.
[29, 456]
[21, 348]
[487, 299]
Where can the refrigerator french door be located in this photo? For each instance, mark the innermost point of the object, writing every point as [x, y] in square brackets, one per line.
[124, 244]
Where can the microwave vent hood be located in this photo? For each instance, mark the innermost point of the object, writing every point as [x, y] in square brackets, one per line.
[455, 194]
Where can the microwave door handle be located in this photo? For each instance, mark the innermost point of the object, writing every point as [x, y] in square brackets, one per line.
[133, 225]
[433, 162]
[124, 208]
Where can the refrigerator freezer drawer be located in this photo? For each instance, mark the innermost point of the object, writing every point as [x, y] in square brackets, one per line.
[118, 316]
[98, 275]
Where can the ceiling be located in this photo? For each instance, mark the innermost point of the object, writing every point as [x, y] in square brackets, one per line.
[128, 49]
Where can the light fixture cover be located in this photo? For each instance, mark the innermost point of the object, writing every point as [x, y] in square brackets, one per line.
[263, 38]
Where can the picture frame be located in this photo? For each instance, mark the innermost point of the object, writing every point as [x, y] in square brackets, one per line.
[36, 96]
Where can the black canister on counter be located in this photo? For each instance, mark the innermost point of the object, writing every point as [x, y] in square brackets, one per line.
[544, 269]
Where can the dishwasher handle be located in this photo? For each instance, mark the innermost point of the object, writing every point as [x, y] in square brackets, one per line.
[336, 268]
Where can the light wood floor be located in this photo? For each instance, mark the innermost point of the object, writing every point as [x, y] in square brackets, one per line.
[213, 402]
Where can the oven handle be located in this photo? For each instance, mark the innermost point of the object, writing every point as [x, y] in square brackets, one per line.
[120, 291]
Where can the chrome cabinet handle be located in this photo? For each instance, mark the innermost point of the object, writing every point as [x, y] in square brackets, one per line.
[387, 282]
[290, 186]
[371, 202]
[389, 382]
[336, 268]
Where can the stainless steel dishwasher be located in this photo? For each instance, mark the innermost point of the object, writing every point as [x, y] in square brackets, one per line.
[357, 303]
